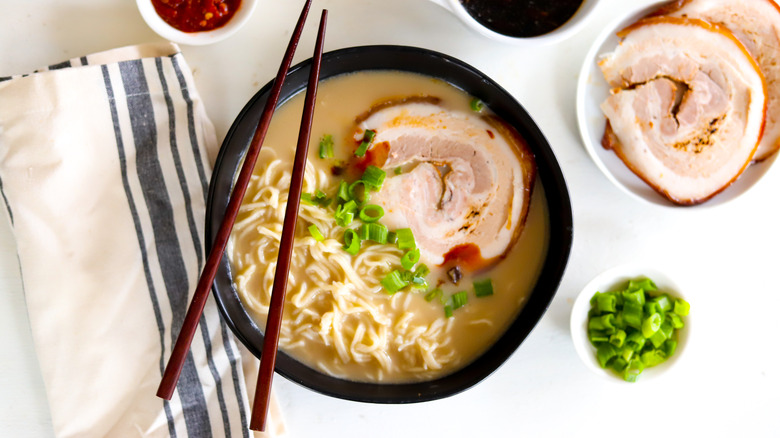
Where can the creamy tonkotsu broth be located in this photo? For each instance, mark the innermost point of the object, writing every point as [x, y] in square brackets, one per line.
[338, 318]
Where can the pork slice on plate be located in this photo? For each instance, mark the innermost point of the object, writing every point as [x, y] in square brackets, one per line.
[756, 24]
[687, 106]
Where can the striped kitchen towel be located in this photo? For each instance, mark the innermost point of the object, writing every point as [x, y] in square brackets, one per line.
[104, 171]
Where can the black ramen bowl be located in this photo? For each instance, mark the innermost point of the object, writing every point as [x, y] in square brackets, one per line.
[475, 83]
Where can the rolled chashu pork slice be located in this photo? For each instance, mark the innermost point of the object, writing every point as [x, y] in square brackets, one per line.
[466, 181]
[687, 107]
[756, 24]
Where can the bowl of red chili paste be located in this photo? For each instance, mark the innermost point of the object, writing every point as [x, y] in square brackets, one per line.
[195, 22]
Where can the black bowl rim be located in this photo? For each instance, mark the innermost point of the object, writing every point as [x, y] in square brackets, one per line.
[474, 82]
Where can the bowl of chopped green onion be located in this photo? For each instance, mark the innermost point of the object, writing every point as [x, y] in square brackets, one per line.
[630, 323]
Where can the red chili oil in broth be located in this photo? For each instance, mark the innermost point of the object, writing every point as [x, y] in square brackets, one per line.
[196, 15]
[522, 18]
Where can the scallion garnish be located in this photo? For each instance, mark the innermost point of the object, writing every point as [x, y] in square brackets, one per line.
[351, 242]
[419, 283]
[319, 198]
[345, 213]
[373, 178]
[368, 138]
[476, 105]
[315, 233]
[430, 296]
[392, 237]
[358, 192]
[306, 198]
[633, 330]
[483, 288]
[343, 192]
[373, 231]
[371, 213]
[422, 270]
[405, 238]
[411, 257]
[448, 311]
[393, 282]
[326, 146]
[459, 299]
[681, 307]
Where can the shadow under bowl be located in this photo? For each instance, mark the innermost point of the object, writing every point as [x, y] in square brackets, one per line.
[465, 77]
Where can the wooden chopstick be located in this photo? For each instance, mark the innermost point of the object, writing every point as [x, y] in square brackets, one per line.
[184, 339]
[274, 322]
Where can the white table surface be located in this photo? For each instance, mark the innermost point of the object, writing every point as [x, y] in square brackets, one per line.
[727, 383]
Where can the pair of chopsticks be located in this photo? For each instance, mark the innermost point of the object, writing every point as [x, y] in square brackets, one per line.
[273, 325]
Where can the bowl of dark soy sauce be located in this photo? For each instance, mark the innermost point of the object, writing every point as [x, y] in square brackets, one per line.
[522, 22]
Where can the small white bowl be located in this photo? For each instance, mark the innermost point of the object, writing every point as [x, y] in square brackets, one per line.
[170, 33]
[592, 90]
[614, 279]
[564, 31]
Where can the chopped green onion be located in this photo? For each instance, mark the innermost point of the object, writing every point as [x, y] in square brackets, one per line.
[633, 370]
[675, 319]
[430, 296]
[632, 314]
[393, 282]
[351, 242]
[653, 357]
[343, 192]
[459, 299]
[360, 196]
[604, 353]
[410, 258]
[373, 178]
[398, 170]
[644, 284]
[368, 138]
[603, 322]
[405, 238]
[483, 288]
[669, 347]
[635, 341]
[652, 307]
[606, 302]
[667, 329]
[619, 364]
[345, 213]
[626, 353]
[651, 324]
[596, 337]
[632, 329]
[306, 198]
[664, 302]
[422, 270]
[326, 146]
[448, 311]
[373, 231]
[392, 237]
[681, 307]
[635, 297]
[371, 213]
[618, 338]
[476, 105]
[315, 233]
[419, 283]
[319, 198]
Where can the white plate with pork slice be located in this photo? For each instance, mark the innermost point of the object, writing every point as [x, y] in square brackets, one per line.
[665, 178]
